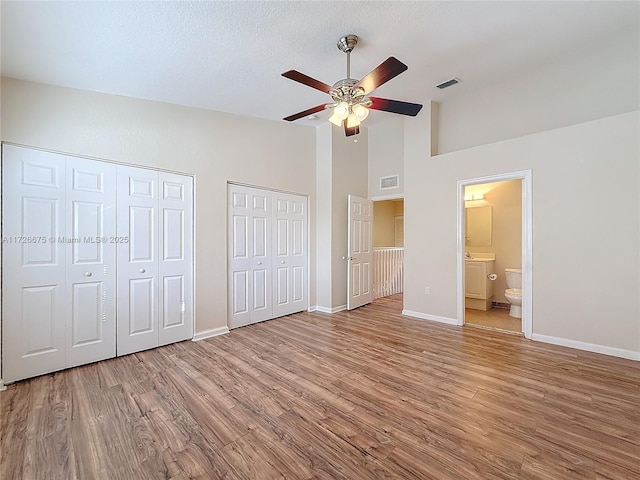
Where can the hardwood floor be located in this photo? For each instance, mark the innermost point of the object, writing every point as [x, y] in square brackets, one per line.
[367, 394]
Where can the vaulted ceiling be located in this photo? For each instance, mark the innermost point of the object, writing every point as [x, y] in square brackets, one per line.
[228, 56]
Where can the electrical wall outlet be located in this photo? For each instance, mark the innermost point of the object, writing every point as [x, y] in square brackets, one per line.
[427, 290]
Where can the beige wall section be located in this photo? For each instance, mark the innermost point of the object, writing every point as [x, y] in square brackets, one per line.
[384, 213]
[215, 147]
[386, 155]
[323, 215]
[349, 177]
[586, 226]
[588, 84]
[341, 170]
[506, 237]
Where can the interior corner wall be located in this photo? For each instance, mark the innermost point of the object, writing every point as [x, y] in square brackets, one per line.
[323, 216]
[342, 169]
[386, 155]
[349, 177]
[586, 227]
[215, 147]
[596, 81]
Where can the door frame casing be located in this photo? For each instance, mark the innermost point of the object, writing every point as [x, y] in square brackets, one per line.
[527, 243]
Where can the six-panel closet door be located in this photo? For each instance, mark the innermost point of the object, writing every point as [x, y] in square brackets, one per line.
[267, 241]
[58, 273]
[250, 256]
[155, 268]
[91, 261]
[289, 253]
[97, 260]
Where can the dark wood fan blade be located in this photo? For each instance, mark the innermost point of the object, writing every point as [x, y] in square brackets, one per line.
[307, 80]
[311, 111]
[395, 106]
[391, 67]
[350, 131]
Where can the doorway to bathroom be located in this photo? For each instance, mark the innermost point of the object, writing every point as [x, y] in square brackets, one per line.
[494, 251]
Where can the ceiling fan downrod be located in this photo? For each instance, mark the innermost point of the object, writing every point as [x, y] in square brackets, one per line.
[346, 44]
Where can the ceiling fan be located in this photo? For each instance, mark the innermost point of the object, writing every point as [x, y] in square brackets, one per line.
[350, 102]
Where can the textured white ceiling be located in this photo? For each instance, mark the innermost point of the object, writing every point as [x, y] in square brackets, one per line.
[228, 56]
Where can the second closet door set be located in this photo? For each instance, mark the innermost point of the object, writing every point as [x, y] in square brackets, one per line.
[268, 255]
[97, 260]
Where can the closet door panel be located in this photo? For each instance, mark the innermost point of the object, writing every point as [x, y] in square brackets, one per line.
[138, 257]
[290, 255]
[91, 261]
[33, 271]
[250, 256]
[176, 260]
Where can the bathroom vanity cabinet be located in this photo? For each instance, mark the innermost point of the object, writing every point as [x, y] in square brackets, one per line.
[478, 287]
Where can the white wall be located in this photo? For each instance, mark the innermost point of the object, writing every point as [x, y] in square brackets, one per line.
[386, 154]
[324, 190]
[215, 147]
[349, 177]
[586, 226]
[341, 171]
[595, 82]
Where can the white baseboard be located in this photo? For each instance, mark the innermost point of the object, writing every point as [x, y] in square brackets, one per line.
[312, 308]
[330, 310]
[433, 318]
[589, 347]
[213, 332]
[2, 385]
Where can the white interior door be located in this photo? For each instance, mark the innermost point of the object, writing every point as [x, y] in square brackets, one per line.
[175, 281]
[250, 258]
[137, 322]
[33, 283]
[360, 253]
[91, 261]
[290, 254]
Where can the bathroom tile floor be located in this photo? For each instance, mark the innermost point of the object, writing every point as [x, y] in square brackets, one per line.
[495, 319]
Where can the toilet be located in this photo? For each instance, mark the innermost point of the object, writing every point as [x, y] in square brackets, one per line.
[514, 292]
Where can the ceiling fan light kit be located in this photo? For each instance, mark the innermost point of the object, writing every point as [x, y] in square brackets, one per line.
[350, 104]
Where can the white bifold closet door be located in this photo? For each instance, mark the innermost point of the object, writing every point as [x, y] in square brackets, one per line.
[97, 260]
[267, 243]
[155, 271]
[58, 270]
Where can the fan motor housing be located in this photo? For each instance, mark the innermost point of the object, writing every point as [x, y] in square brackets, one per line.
[343, 90]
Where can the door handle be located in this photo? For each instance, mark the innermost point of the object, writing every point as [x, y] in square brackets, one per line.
[142, 270]
[259, 263]
[87, 274]
[282, 262]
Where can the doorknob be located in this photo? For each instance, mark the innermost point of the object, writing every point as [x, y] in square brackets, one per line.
[282, 262]
[259, 263]
[142, 270]
[87, 274]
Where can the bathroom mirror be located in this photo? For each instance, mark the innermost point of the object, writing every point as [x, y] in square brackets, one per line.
[478, 226]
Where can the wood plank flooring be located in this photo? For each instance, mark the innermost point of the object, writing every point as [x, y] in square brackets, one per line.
[367, 394]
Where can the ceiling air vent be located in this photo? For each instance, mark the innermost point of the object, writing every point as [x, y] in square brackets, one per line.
[448, 83]
[389, 182]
